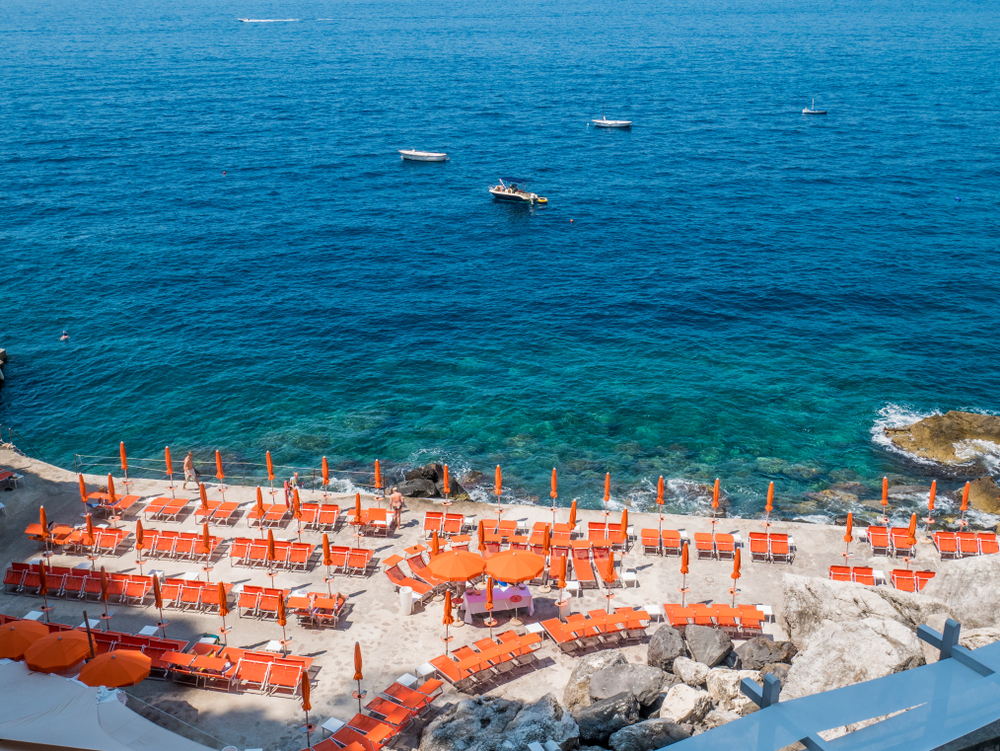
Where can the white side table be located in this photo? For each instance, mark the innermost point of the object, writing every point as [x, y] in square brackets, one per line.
[425, 670]
[148, 631]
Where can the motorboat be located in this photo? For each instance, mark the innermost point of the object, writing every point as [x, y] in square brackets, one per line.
[412, 155]
[605, 123]
[813, 110]
[514, 190]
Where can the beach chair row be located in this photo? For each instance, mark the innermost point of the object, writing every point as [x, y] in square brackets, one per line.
[351, 561]
[719, 546]
[260, 602]
[910, 581]
[657, 542]
[612, 531]
[770, 546]
[168, 509]
[178, 545]
[84, 584]
[293, 556]
[894, 541]
[858, 574]
[103, 503]
[104, 542]
[965, 544]
[240, 670]
[471, 665]
[317, 608]
[191, 594]
[218, 512]
[154, 647]
[320, 516]
[387, 715]
[740, 621]
[372, 521]
[598, 629]
[443, 523]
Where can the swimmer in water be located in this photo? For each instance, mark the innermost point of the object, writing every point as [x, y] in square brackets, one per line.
[64, 337]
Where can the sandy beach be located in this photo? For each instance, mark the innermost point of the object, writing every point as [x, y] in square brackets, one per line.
[392, 644]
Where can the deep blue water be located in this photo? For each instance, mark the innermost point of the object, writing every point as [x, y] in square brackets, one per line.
[216, 213]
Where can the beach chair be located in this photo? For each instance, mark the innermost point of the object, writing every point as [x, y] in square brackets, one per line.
[922, 578]
[419, 569]
[863, 575]
[379, 521]
[390, 712]
[904, 580]
[650, 539]
[968, 544]
[704, 545]
[461, 542]
[15, 576]
[779, 548]
[947, 544]
[672, 542]
[251, 675]
[248, 600]
[226, 513]
[751, 620]
[412, 699]
[988, 543]
[605, 567]
[900, 545]
[340, 554]
[299, 554]
[878, 538]
[284, 677]
[840, 573]
[155, 507]
[759, 550]
[239, 551]
[448, 669]
[725, 546]
[453, 524]
[358, 560]
[329, 515]
[583, 572]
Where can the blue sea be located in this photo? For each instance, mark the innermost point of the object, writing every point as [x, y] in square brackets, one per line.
[216, 213]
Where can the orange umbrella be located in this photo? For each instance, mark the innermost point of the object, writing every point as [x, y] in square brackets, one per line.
[965, 500]
[448, 618]
[270, 546]
[609, 576]
[769, 506]
[489, 594]
[357, 671]
[326, 474]
[435, 544]
[684, 560]
[624, 522]
[306, 704]
[219, 474]
[848, 536]
[911, 531]
[270, 468]
[58, 651]
[203, 494]
[90, 529]
[357, 508]
[885, 494]
[607, 490]
[83, 489]
[17, 636]
[446, 482]
[515, 565]
[112, 499]
[456, 565]
[554, 492]
[121, 452]
[572, 514]
[736, 565]
[282, 616]
[327, 558]
[546, 540]
[104, 588]
[482, 536]
[43, 523]
[43, 581]
[930, 501]
[123, 667]
[715, 495]
[139, 536]
[296, 505]
[206, 540]
[157, 595]
[659, 491]
[168, 462]
[498, 482]
[562, 571]
[378, 476]
[223, 605]
[258, 509]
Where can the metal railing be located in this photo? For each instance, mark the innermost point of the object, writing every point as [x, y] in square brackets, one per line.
[16, 441]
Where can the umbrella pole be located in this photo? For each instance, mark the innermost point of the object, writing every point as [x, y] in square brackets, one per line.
[162, 624]
[329, 593]
[45, 598]
[224, 632]
[359, 695]
[90, 636]
[308, 729]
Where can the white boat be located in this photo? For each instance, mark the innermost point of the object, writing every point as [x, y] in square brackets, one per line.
[412, 155]
[813, 110]
[515, 191]
[605, 123]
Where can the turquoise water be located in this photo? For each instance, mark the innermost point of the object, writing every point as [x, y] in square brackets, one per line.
[216, 213]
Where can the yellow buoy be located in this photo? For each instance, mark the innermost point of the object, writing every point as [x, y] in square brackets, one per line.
[542, 199]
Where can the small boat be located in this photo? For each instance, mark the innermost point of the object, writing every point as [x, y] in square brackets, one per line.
[515, 191]
[605, 123]
[412, 155]
[813, 110]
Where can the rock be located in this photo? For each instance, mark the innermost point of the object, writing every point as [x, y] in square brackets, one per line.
[692, 672]
[857, 489]
[417, 488]
[972, 638]
[432, 472]
[685, 704]
[665, 645]
[470, 725]
[545, 720]
[842, 654]
[984, 495]
[759, 651]
[801, 471]
[577, 691]
[810, 600]
[601, 719]
[960, 585]
[724, 688]
[642, 680]
[948, 438]
[778, 669]
[707, 645]
[648, 735]
[718, 717]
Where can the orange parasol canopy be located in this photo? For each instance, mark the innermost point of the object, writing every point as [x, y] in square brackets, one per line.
[296, 504]
[223, 605]
[203, 494]
[562, 571]
[715, 494]
[139, 535]
[121, 453]
[17, 636]
[43, 580]
[206, 540]
[304, 689]
[58, 651]
[327, 558]
[220, 475]
[122, 667]
[448, 619]
[168, 461]
[482, 536]
[326, 474]
[498, 481]
[769, 506]
[965, 498]
[435, 544]
[259, 507]
[911, 531]
[515, 566]
[554, 492]
[933, 495]
[282, 616]
[456, 565]
[157, 596]
[357, 662]
[684, 559]
[446, 481]
[848, 536]
[489, 593]
[43, 522]
[90, 529]
[112, 499]
[885, 491]
[572, 514]
[378, 475]
[83, 489]
[270, 468]
[659, 491]
[736, 566]
[270, 546]
[104, 585]
[607, 487]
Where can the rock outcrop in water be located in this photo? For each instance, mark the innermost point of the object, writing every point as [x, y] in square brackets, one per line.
[948, 439]
[428, 482]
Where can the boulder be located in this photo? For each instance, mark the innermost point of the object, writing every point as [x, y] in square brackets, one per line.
[808, 601]
[470, 725]
[707, 645]
[971, 638]
[692, 672]
[718, 717]
[778, 669]
[724, 688]
[964, 587]
[432, 472]
[759, 651]
[418, 488]
[577, 691]
[842, 654]
[665, 645]
[545, 720]
[642, 680]
[949, 438]
[685, 704]
[648, 735]
[601, 719]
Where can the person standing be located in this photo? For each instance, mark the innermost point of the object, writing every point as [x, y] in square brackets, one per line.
[190, 473]
[396, 506]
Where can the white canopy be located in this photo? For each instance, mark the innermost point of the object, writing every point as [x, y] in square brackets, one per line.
[50, 710]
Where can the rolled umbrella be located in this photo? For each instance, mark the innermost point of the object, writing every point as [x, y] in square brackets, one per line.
[930, 505]
[572, 514]
[306, 704]
[43, 522]
[624, 526]
[91, 541]
[769, 506]
[448, 619]
[170, 468]
[490, 620]
[446, 482]
[554, 494]
[270, 473]
[911, 535]
[607, 492]
[849, 534]
[378, 477]
[17, 636]
[659, 501]
[357, 508]
[203, 495]
[326, 477]
[736, 574]
[885, 500]
[297, 513]
[357, 672]
[435, 544]
[481, 533]
[140, 544]
[104, 597]
[112, 498]
[206, 549]
[122, 667]
[43, 589]
[684, 572]
[609, 577]
[83, 490]
[158, 602]
[223, 610]
[220, 475]
[58, 651]
[259, 511]
[715, 503]
[498, 489]
[124, 458]
[328, 562]
[546, 541]
[271, 556]
[282, 621]
[965, 505]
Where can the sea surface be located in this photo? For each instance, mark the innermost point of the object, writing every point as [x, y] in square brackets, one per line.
[216, 214]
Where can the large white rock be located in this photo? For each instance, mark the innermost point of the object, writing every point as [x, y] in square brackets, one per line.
[811, 600]
[842, 654]
[685, 704]
[968, 589]
[577, 691]
[718, 717]
[724, 688]
[692, 672]
[493, 724]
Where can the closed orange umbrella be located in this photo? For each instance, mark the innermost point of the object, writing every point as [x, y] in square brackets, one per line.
[203, 494]
[659, 491]
[282, 619]
[357, 507]
[43, 522]
[58, 651]
[17, 636]
[933, 495]
[607, 490]
[304, 689]
[562, 571]
[43, 581]
[327, 558]
[736, 566]
[965, 499]
[223, 605]
[546, 540]
[326, 472]
[378, 476]
[139, 536]
[482, 536]
[157, 595]
[121, 453]
[609, 575]
[684, 560]
[270, 468]
[489, 593]
[498, 482]
[123, 667]
[448, 618]
[104, 588]
[83, 489]
[769, 506]
[90, 530]
[885, 492]
[848, 535]
[911, 531]
[167, 460]
[515, 565]
[357, 663]
[446, 482]
[258, 510]
[112, 498]
[296, 505]
[554, 491]
[270, 546]
[219, 474]
[572, 514]
[715, 495]
[435, 544]
[624, 522]
[456, 565]
[206, 540]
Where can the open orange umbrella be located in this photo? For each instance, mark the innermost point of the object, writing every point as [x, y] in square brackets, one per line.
[446, 482]
[572, 514]
[378, 476]
[607, 491]
[482, 536]
[122, 667]
[83, 490]
[121, 453]
[515, 565]
[769, 506]
[357, 672]
[17, 636]
[112, 498]
[456, 565]
[58, 651]
[43, 522]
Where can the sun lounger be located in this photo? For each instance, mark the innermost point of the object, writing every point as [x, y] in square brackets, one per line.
[759, 550]
[725, 546]
[988, 543]
[225, 513]
[904, 580]
[420, 570]
[900, 544]
[327, 518]
[947, 544]
[704, 545]
[412, 699]
[968, 544]
[433, 522]
[358, 561]
[840, 573]
[779, 547]
[605, 567]
[863, 575]
[671, 540]
[650, 541]
[582, 570]
[453, 524]
[922, 578]
[878, 538]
